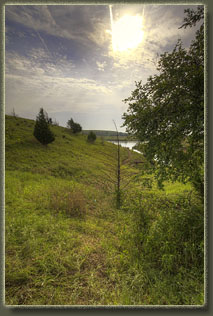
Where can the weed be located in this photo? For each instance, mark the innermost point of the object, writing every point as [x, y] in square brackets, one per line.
[73, 203]
[67, 244]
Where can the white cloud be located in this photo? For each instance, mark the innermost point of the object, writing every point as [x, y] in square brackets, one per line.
[28, 86]
[99, 81]
[161, 32]
[60, 21]
[35, 17]
[100, 65]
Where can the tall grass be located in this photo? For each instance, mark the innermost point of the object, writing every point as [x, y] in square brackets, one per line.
[168, 238]
[67, 244]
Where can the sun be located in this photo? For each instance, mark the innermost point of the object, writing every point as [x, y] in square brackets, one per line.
[126, 33]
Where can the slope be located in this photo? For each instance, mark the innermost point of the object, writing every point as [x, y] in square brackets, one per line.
[61, 232]
[67, 244]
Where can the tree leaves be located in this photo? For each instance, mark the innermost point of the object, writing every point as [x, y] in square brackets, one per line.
[167, 113]
[74, 127]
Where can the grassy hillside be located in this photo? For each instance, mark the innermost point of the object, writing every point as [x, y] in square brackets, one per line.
[67, 244]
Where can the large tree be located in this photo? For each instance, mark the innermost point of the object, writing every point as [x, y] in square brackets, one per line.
[167, 113]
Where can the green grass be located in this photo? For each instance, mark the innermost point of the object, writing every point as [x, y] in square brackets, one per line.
[67, 244]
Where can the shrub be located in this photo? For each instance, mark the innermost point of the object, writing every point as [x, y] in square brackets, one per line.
[74, 127]
[42, 131]
[91, 137]
[50, 121]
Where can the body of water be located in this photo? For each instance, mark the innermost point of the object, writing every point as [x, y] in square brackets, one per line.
[129, 144]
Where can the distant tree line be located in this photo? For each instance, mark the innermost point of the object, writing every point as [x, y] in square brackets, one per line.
[104, 133]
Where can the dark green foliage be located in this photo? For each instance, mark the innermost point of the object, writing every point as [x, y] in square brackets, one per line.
[168, 231]
[167, 113]
[91, 137]
[50, 121]
[193, 16]
[74, 127]
[42, 131]
[175, 240]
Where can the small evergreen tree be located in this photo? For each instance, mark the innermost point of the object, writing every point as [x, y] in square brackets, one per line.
[42, 131]
[91, 137]
[74, 127]
[77, 128]
[70, 124]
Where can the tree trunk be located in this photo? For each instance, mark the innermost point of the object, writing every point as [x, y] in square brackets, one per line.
[118, 190]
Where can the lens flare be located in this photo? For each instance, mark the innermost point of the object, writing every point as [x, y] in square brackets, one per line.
[127, 32]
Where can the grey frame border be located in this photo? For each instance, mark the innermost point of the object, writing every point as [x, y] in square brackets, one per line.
[208, 113]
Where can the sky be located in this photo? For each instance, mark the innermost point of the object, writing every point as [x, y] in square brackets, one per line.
[82, 61]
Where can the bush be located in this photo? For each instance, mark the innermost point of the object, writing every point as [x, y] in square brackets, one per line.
[42, 131]
[50, 121]
[74, 127]
[91, 137]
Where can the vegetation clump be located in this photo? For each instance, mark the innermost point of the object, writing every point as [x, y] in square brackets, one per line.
[74, 127]
[91, 137]
[42, 131]
[70, 201]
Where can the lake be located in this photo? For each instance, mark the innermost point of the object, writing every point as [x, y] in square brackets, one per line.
[128, 144]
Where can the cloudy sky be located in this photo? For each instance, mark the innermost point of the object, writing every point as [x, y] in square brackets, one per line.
[81, 61]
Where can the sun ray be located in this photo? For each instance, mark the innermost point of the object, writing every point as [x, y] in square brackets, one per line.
[126, 32]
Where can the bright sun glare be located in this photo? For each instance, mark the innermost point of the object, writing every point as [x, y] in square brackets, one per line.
[126, 33]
